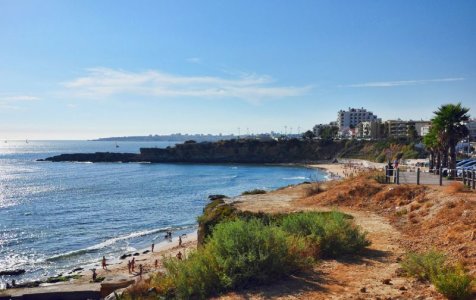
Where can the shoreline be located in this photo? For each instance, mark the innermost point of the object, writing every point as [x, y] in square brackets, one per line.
[116, 272]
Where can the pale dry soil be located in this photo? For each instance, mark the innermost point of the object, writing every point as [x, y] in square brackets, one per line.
[369, 275]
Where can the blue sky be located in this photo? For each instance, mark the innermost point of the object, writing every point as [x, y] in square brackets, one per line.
[86, 69]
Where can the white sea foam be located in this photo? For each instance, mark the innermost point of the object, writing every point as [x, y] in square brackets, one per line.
[296, 178]
[114, 240]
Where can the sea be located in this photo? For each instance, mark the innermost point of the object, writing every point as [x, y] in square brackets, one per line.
[55, 217]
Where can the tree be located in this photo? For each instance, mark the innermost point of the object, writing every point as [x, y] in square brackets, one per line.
[383, 130]
[329, 132]
[308, 135]
[412, 133]
[431, 143]
[449, 122]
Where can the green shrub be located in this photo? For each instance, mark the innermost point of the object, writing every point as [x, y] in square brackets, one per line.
[333, 232]
[454, 283]
[194, 277]
[237, 254]
[249, 251]
[244, 249]
[253, 192]
[424, 265]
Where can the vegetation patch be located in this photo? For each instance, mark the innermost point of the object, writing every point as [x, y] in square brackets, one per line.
[56, 279]
[246, 249]
[332, 231]
[452, 281]
[253, 192]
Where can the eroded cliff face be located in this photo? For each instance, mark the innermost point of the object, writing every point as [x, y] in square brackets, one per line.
[245, 151]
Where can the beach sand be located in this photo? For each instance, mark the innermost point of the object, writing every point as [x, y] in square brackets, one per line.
[347, 167]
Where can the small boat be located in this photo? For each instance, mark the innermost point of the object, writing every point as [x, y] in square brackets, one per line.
[117, 146]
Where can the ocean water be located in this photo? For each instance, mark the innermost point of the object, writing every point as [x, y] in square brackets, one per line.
[58, 216]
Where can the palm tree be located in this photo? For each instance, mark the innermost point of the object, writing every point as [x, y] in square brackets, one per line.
[448, 121]
[431, 143]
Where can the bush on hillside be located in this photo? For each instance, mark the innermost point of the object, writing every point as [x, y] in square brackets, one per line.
[239, 253]
[424, 265]
[249, 251]
[254, 192]
[333, 232]
[454, 283]
[255, 248]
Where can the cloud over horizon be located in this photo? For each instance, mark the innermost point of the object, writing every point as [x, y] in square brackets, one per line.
[107, 82]
[401, 82]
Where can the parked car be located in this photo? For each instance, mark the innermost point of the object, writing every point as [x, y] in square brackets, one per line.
[470, 171]
[460, 163]
[466, 166]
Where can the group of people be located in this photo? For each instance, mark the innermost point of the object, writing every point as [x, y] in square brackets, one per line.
[131, 264]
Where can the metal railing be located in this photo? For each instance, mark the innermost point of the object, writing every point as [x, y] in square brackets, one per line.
[467, 177]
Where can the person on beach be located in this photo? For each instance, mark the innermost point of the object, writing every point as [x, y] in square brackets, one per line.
[140, 271]
[156, 263]
[95, 275]
[133, 264]
[179, 255]
[129, 266]
[152, 247]
[180, 241]
[104, 265]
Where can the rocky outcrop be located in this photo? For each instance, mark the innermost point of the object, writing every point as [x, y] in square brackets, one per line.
[12, 272]
[95, 157]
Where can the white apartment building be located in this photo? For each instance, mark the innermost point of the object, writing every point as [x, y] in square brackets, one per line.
[353, 116]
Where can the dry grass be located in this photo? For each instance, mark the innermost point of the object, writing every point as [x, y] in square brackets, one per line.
[455, 187]
[314, 189]
[415, 206]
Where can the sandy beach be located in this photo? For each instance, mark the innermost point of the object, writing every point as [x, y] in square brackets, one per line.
[347, 167]
[146, 258]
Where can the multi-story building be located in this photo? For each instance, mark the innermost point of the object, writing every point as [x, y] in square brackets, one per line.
[399, 128]
[352, 117]
[424, 130]
[369, 130]
[421, 127]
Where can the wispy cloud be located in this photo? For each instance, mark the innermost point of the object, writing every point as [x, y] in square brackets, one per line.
[105, 82]
[11, 102]
[16, 98]
[401, 82]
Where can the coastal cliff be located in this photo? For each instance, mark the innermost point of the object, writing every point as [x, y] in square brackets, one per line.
[245, 151]
[230, 151]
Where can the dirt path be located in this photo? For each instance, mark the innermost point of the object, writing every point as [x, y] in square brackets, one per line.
[371, 275]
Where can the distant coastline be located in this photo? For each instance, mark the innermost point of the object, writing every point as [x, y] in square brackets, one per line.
[169, 137]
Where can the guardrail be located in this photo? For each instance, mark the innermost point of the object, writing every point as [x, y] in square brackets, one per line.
[467, 177]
